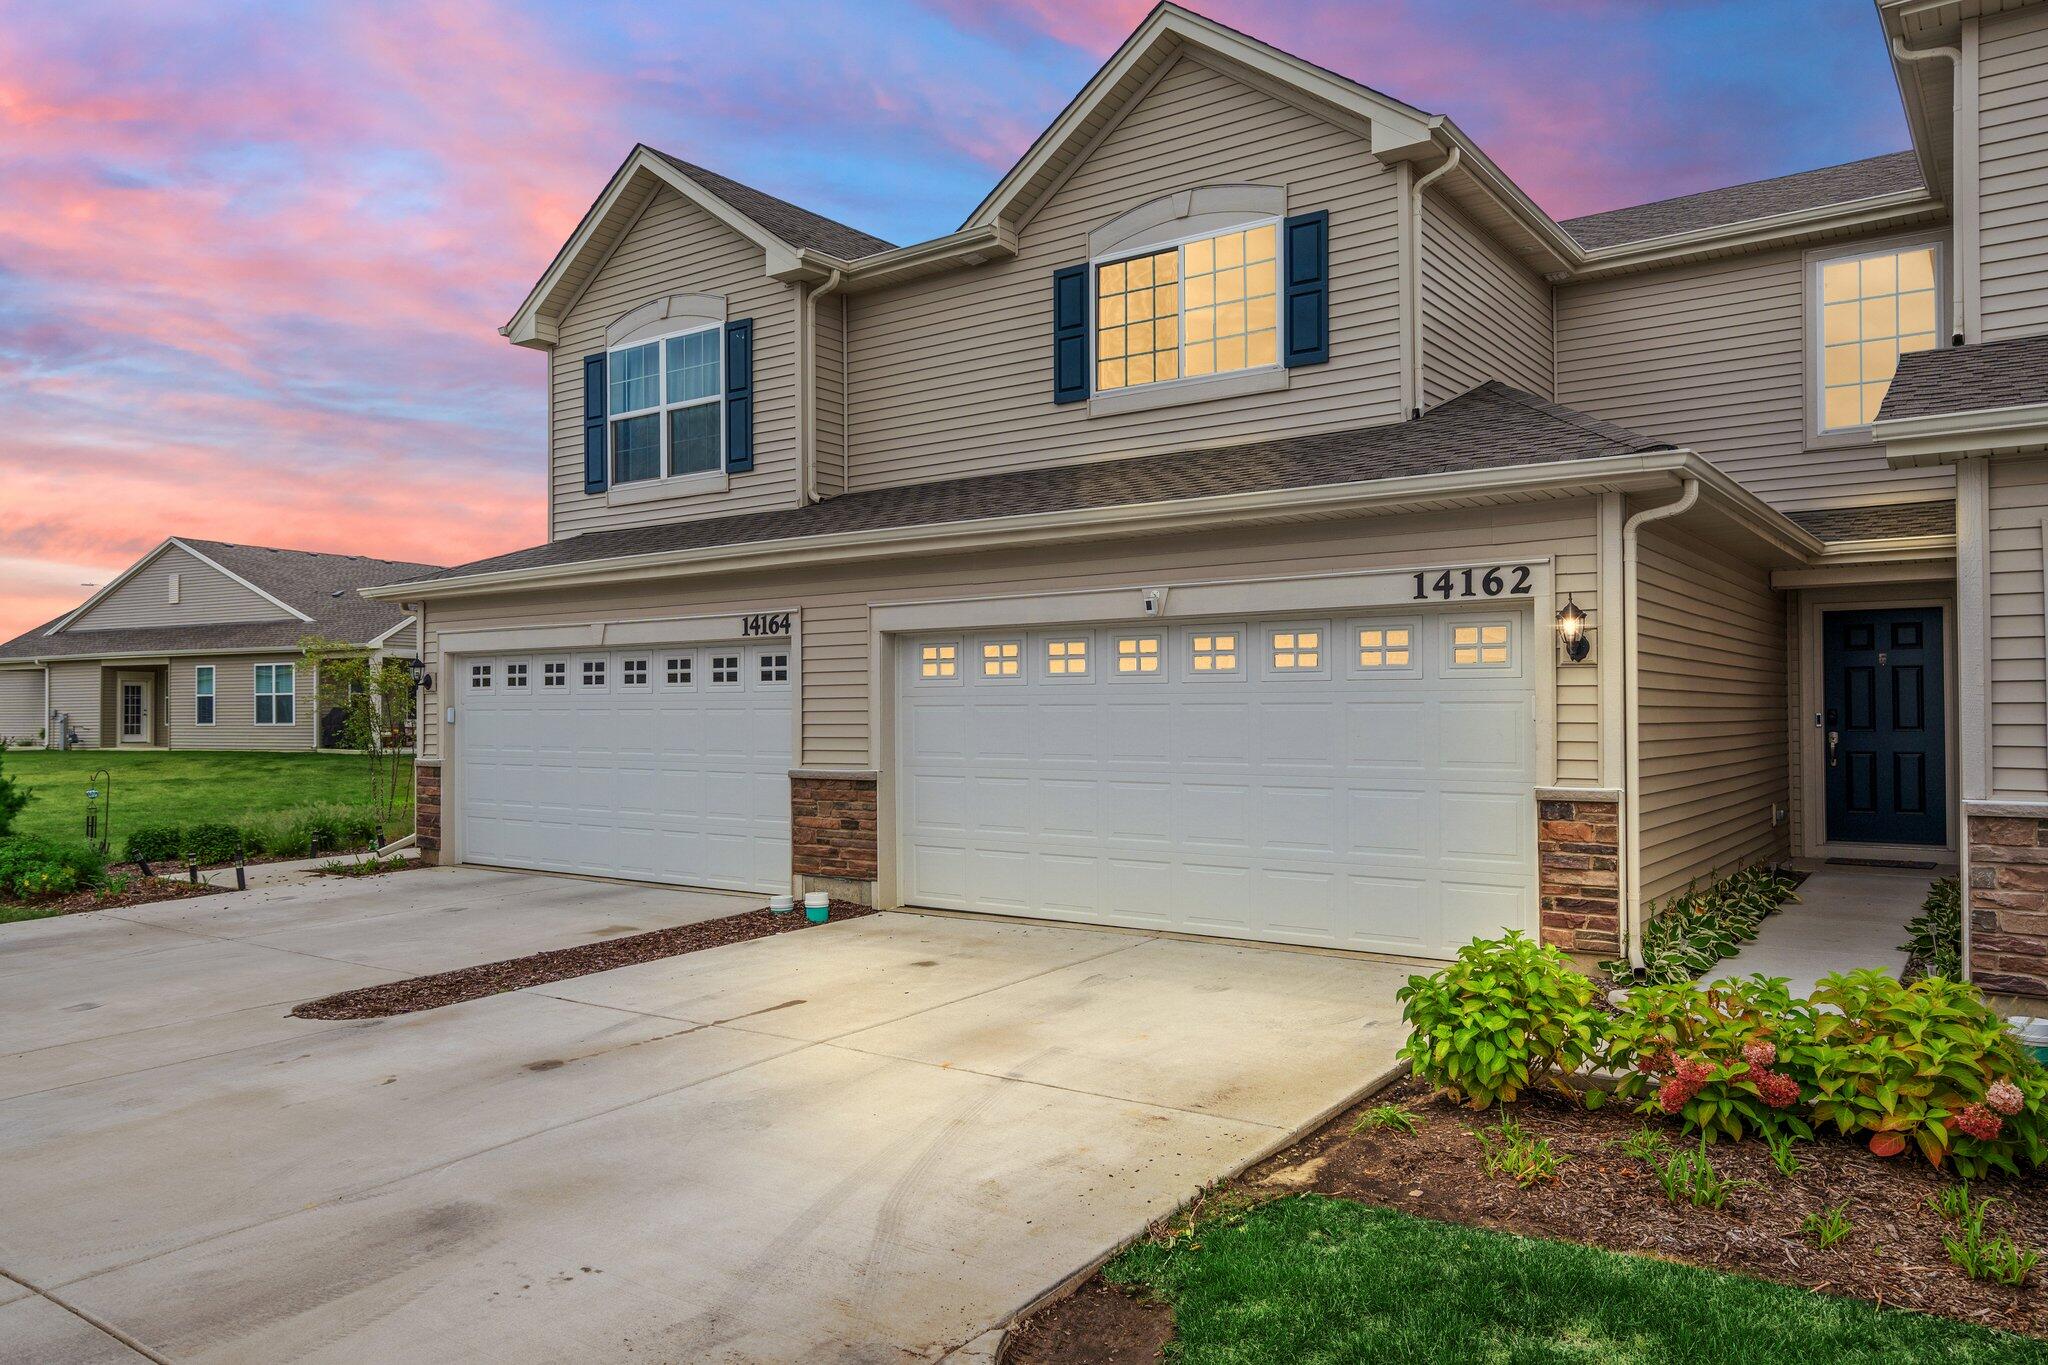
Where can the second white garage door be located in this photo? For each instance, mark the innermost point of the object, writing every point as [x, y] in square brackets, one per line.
[1360, 782]
[664, 764]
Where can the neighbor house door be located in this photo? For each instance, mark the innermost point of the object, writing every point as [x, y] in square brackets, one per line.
[135, 709]
[1883, 729]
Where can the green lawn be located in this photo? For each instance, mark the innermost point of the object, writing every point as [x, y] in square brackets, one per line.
[179, 788]
[1314, 1279]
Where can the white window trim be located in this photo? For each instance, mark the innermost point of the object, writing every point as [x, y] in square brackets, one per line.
[256, 710]
[1198, 388]
[213, 681]
[1819, 436]
[668, 483]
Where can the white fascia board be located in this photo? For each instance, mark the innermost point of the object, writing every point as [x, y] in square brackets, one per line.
[1858, 215]
[1944, 438]
[1626, 472]
[134, 656]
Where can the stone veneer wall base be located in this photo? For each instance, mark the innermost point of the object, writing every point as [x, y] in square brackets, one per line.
[1578, 861]
[427, 810]
[833, 834]
[2008, 903]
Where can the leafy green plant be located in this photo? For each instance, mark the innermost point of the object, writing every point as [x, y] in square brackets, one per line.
[1783, 1155]
[1928, 1064]
[1645, 1144]
[213, 843]
[154, 843]
[33, 868]
[1699, 926]
[1982, 1255]
[375, 698]
[13, 796]
[1951, 1201]
[362, 867]
[1688, 1176]
[1828, 1226]
[1510, 1150]
[1507, 1014]
[1386, 1116]
[1714, 1057]
[1935, 935]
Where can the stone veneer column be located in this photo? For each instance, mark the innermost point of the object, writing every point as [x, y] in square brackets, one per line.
[833, 824]
[2008, 897]
[427, 810]
[1578, 861]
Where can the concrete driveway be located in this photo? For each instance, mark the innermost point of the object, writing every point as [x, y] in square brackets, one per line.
[867, 1142]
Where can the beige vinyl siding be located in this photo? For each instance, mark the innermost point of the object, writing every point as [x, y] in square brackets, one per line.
[830, 361]
[1711, 711]
[1712, 356]
[952, 376]
[835, 602]
[675, 247]
[205, 595]
[1485, 315]
[75, 687]
[234, 705]
[2018, 711]
[21, 706]
[2012, 101]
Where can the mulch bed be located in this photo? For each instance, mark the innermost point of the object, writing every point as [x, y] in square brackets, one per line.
[141, 891]
[389, 866]
[559, 964]
[1893, 1257]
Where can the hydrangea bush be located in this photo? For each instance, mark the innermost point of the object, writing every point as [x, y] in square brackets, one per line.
[1505, 1015]
[1710, 1056]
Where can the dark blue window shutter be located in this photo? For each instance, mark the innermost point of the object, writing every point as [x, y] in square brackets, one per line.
[1070, 334]
[594, 480]
[1308, 289]
[739, 396]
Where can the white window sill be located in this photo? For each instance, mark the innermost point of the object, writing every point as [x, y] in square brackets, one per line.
[1175, 392]
[661, 490]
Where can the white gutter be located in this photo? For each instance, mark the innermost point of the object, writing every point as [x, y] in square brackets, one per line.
[807, 385]
[1955, 81]
[1415, 329]
[1631, 825]
[1946, 437]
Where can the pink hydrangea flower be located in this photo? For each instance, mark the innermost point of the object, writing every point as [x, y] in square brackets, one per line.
[2005, 1097]
[1760, 1054]
[1673, 1095]
[1979, 1122]
[1694, 1072]
[1779, 1092]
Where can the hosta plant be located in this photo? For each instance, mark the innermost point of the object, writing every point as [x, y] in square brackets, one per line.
[1724, 1060]
[1700, 925]
[1928, 1065]
[1935, 935]
[1507, 1014]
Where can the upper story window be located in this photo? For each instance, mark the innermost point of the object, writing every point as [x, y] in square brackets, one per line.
[1874, 306]
[665, 405]
[1205, 306]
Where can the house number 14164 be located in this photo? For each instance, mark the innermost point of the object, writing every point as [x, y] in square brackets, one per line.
[765, 623]
[1511, 580]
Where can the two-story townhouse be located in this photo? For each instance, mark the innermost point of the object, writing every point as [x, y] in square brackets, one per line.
[1261, 519]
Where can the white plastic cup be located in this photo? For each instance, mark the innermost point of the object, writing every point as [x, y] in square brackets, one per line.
[817, 906]
[781, 905]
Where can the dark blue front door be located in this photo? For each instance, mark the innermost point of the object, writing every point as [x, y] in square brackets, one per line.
[1882, 730]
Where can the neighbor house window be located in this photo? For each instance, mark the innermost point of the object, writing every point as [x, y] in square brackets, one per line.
[1873, 308]
[665, 406]
[1207, 306]
[202, 695]
[274, 699]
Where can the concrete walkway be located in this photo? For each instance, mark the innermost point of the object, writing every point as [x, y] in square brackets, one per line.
[1845, 917]
[870, 1141]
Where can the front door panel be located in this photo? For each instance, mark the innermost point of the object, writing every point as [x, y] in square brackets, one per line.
[1883, 732]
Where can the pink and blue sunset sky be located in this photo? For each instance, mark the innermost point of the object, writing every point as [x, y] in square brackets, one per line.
[253, 256]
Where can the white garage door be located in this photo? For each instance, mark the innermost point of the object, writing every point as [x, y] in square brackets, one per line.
[663, 764]
[1357, 782]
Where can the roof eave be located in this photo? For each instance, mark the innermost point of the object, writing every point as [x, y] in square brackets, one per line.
[1856, 215]
[1946, 437]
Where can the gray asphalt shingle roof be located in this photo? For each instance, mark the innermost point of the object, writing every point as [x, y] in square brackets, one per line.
[323, 586]
[1842, 184]
[797, 226]
[1493, 426]
[1881, 522]
[1990, 374]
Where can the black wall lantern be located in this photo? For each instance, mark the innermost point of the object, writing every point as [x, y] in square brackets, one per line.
[420, 677]
[1571, 632]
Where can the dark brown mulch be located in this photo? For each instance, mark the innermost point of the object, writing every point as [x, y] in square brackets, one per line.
[1894, 1256]
[140, 891]
[559, 964]
[1097, 1322]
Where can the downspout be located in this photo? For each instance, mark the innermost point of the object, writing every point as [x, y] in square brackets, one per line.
[807, 438]
[1415, 259]
[1632, 793]
[1955, 127]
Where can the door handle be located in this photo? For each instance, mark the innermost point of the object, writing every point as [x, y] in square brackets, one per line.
[1834, 739]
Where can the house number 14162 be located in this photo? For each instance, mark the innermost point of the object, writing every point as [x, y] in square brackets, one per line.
[1511, 580]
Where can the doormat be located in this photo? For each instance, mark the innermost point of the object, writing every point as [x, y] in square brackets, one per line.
[1881, 862]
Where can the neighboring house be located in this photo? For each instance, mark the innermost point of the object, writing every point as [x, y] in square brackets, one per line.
[197, 646]
[1192, 539]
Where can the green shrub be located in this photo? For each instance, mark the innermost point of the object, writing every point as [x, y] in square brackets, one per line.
[1701, 925]
[32, 867]
[1688, 1176]
[1724, 1059]
[1935, 935]
[290, 833]
[1511, 1151]
[154, 843]
[1506, 1014]
[13, 796]
[1930, 1064]
[213, 843]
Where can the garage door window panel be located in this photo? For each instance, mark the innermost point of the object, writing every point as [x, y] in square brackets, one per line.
[1001, 661]
[1297, 650]
[1385, 648]
[515, 675]
[554, 673]
[1067, 658]
[938, 662]
[679, 672]
[1216, 652]
[771, 667]
[633, 671]
[1482, 645]
[724, 673]
[592, 675]
[1138, 657]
